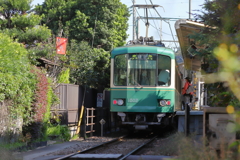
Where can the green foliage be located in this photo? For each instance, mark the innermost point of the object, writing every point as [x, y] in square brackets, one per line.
[102, 22]
[62, 131]
[222, 37]
[51, 100]
[15, 78]
[16, 7]
[19, 25]
[25, 21]
[218, 41]
[29, 35]
[38, 33]
[220, 96]
[76, 136]
[64, 76]
[89, 66]
[6, 147]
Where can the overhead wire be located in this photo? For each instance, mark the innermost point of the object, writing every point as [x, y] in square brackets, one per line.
[150, 23]
[163, 20]
[156, 25]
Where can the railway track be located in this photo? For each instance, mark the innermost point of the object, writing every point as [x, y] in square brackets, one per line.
[120, 149]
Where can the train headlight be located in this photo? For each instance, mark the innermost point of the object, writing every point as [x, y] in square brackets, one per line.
[120, 102]
[164, 102]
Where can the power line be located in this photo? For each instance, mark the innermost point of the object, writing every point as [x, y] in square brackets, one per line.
[174, 41]
[150, 23]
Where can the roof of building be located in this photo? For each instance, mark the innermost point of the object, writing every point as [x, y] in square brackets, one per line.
[184, 28]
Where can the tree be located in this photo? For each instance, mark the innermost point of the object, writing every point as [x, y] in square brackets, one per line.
[89, 24]
[89, 66]
[24, 26]
[220, 40]
[20, 25]
[99, 22]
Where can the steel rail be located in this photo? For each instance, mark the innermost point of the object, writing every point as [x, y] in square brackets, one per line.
[138, 148]
[92, 148]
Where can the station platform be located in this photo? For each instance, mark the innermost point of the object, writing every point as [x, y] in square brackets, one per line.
[192, 112]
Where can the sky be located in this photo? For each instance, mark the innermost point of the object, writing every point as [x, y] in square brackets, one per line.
[159, 29]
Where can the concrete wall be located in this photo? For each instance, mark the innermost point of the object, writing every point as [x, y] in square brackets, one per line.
[196, 122]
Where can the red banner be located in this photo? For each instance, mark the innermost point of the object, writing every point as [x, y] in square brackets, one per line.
[61, 44]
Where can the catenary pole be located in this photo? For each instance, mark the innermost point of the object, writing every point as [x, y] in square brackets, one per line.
[189, 9]
[134, 17]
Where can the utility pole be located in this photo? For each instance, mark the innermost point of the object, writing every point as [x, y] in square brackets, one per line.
[134, 17]
[189, 9]
[160, 30]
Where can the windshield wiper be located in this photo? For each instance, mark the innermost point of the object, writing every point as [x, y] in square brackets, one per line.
[138, 84]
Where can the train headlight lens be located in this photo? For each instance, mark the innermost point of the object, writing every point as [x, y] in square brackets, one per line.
[162, 102]
[120, 102]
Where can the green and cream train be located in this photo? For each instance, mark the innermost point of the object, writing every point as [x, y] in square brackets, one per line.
[145, 86]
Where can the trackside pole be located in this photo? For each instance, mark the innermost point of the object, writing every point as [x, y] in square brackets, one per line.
[187, 119]
[80, 120]
[102, 122]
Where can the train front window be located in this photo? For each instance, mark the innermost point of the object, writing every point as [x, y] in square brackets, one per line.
[164, 70]
[141, 69]
[120, 70]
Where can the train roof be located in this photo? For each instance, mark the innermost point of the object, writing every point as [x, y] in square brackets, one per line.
[142, 49]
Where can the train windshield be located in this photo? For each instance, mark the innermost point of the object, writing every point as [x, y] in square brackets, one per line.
[141, 69]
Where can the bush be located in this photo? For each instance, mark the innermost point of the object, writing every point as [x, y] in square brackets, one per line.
[60, 131]
[17, 84]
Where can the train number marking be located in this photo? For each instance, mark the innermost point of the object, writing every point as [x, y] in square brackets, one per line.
[132, 100]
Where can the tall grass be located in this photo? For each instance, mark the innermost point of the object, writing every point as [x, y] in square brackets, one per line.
[192, 148]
